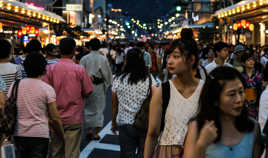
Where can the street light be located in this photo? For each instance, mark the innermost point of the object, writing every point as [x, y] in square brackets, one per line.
[178, 8]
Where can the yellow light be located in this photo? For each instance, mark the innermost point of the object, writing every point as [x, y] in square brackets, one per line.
[43, 17]
[225, 14]
[1, 3]
[29, 13]
[243, 23]
[251, 27]
[39, 16]
[243, 8]
[233, 11]
[34, 14]
[22, 11]
[219, 16]
[9, 7]
[235, 26]
[238, 10]
[248, 6]
[58, 21]
[261, 2]
[16, 9]
[47, 18]
[254, 5]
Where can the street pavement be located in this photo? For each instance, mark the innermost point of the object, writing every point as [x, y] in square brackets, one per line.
[107, 146]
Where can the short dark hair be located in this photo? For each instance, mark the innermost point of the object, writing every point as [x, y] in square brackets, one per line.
[5, 48]
[210, 96]
[140, 45]
[67, 46]
[35, 65]
[95, 44]
[87, 45]
[245, 57]
[33, 46]
[187, 34]
[219, 46]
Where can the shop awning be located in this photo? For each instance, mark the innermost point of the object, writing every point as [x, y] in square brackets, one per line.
[31, 11]
[243, 6]
[209, 25]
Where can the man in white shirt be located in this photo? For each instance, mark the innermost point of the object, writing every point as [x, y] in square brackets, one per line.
[222, 52]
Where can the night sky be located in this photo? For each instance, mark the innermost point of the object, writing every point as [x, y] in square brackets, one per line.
[144, 9]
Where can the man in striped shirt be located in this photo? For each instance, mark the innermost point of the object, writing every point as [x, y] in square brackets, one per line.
[8, 71]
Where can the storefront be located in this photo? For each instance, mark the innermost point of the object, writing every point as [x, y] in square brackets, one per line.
[244, 22]
[20, 22]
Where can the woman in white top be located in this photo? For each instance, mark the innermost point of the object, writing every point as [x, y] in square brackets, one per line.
[130, 89]
[185, 90]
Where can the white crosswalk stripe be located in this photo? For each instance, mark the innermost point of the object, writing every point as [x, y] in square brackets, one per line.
[97, 145]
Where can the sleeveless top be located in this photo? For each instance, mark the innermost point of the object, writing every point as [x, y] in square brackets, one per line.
[179, 111]
[243, 149]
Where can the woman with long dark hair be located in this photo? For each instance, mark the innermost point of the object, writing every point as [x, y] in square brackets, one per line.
[130, 89]
[222, 127]
[185, 88]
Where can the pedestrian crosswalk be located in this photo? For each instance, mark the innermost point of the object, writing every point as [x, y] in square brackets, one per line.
[107, 146]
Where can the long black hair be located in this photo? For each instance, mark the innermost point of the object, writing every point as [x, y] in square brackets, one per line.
[210, 97]
[135, 67]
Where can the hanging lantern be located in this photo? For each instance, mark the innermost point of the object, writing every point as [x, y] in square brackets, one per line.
[251, 27]
[24, 32]
[28, 28]
[19, 33]
[247, 24]
[243, 23]
[36, 31]
[32, 31]
[235, 26]
[239, 25]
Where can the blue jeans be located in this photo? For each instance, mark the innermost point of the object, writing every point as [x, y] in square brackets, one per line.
[131, 139]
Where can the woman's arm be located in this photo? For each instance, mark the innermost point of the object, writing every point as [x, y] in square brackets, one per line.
[114, 111]
[2, 99]
[55, 120]
[155, 116]
[199, 143]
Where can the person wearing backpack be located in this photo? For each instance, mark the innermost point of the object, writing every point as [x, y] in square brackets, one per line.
[170, 114]
[129, 91]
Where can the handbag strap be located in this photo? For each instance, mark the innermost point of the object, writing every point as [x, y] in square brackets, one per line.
[165, 98]
[14, 92]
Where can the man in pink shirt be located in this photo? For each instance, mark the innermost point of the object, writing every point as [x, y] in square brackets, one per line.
[71, 83]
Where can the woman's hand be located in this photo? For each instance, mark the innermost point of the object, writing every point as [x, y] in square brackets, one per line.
[208, 134]
[114, 128]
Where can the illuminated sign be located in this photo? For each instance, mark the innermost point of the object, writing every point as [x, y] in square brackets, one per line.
[74, 7]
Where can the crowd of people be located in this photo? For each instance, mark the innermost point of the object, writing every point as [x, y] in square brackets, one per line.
[206, 101]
